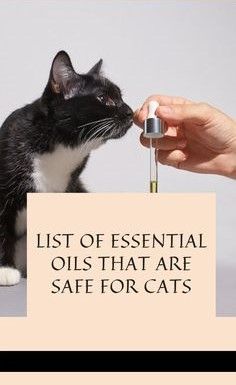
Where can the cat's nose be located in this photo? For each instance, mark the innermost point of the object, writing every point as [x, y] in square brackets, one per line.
[128, 111]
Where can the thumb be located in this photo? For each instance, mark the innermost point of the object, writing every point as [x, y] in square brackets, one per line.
[199, 113]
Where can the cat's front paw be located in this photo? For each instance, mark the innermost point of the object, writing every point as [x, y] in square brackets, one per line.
[9, 276]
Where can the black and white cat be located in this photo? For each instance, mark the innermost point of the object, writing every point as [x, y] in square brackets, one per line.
[45, 145]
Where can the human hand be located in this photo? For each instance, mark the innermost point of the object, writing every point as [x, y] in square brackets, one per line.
[198, 138]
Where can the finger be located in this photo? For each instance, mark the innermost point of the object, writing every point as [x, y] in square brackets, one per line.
[199, 113]
[174, 131]
[146, 141]
[184, 161]
[170, 143]
[164, 100]
[172, 158]
[166, 143]
[139, 117]
[141, 114]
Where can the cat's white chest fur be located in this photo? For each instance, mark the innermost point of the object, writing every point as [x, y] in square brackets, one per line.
[20, 224]
[52, 171]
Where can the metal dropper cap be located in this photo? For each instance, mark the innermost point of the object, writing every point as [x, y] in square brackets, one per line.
[153, 126]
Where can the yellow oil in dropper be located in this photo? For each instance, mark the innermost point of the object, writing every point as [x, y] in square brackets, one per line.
[153, 186]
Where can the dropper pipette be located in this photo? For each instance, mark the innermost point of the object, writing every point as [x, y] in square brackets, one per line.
[153, 129]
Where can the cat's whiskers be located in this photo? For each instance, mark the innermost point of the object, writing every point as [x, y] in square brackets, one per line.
[96, 134]
[97, 130]
[4, 207]
[94, 128]
[94, 125]
[12, 179]
[93, 122]
[91, 133]
[106, 129]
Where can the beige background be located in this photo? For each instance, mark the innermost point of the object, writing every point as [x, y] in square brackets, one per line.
[118, 378]
[100, 322]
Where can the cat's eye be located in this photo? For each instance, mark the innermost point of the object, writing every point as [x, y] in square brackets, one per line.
[101, 98]
[106, 100]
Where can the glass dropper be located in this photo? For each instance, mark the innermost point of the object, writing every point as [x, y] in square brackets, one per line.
[153, 129]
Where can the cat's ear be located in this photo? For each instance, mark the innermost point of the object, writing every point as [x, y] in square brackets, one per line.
[96, 69]
[62, 72]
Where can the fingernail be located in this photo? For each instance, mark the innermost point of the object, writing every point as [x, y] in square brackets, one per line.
[165, 110]
[181, 143]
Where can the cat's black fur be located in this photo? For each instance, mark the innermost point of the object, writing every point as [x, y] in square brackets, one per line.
[69, 113]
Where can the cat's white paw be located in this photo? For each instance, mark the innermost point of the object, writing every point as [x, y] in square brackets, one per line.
[9, 276]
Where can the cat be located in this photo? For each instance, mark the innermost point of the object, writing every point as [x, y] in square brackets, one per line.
[44, 146]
